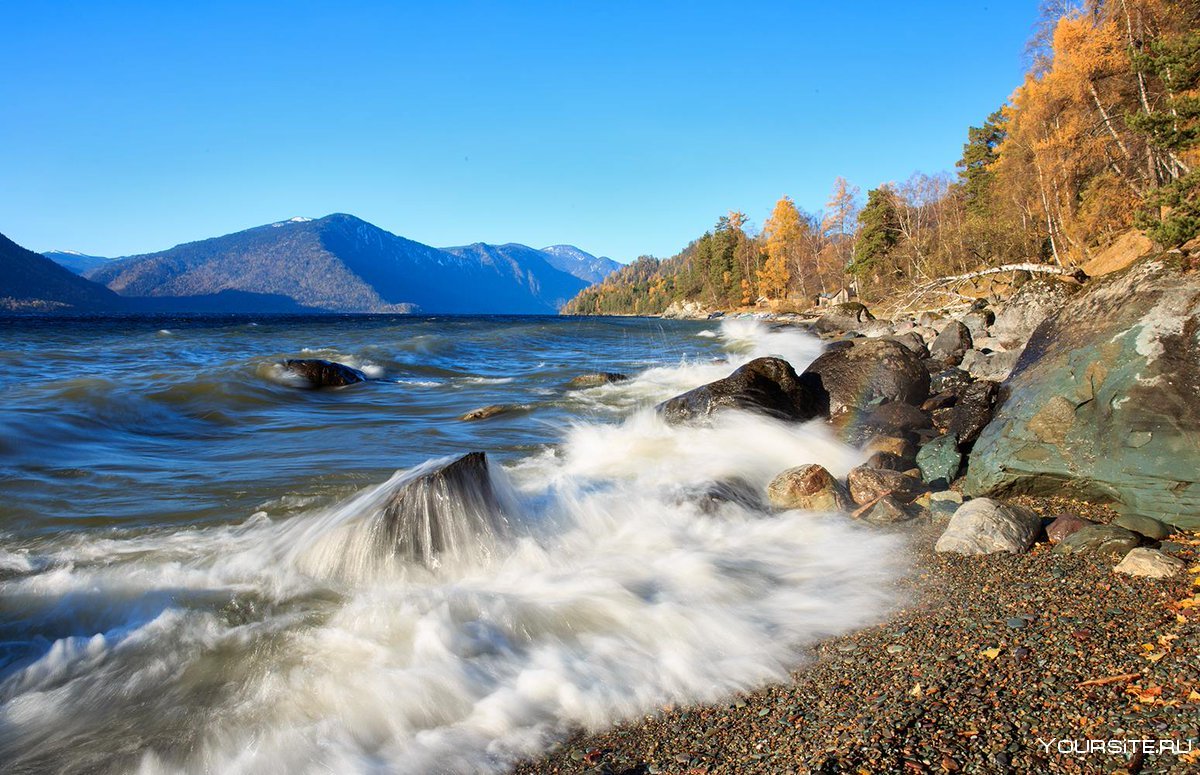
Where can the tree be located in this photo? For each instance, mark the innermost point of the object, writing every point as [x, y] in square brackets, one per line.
[979, 154]
[878, 233]
[784, 233]
[840, 222]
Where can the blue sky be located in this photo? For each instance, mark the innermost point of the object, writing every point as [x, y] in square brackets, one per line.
[624, 128]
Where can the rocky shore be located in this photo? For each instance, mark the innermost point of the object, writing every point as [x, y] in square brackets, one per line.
[1040, 451]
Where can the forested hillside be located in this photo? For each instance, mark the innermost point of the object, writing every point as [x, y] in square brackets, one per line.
[1101, 136]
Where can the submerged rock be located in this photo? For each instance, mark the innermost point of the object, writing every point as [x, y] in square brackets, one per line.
[596, 379]
[449, 511]
[984, 526]
[809, 487]
[323, 373]
[866, 372]
[1102, 404]
[765, 385]
[712, 496]
[484, 412]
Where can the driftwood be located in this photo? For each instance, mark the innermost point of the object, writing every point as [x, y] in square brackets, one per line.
[1075, 273]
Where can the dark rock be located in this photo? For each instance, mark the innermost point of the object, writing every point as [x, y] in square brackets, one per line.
[913, 341]
[321, 373]
[867, 484]
[711, 497]
[1101, 539]
[885, 511]
[1102, 404]
[1064, 525]
[951, 380]
[951, 344]
[596, 379]
[888, 461]
[973, 411]
[765, 385]
[940, 460]
[446, 512]
[809, 487]
[943, 400]
[843, 317]
[890, 419]
[1144, 526]
[866, 372]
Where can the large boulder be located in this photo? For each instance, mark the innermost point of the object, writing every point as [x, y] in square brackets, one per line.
[319, 373]
[951, 344]
[868, 372]
[1103, 404]
[973, 411]
[765, 385]
[984, 526]
[849, 316]
[809, 487]
[1032, 303]
[451, 511]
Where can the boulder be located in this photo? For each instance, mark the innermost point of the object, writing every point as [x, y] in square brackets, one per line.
[950, 345]
[951, 380]
[890, 419]
[868, 484]
[1149, 563]
[977, 322]
[712, 496]
[1102, 539]
[992, 366]
[913, 341]
[809, 487]
[984, 526]
[1025, 310]
[1064, 525]
[888, 462]
[886, 511]
[940, 460]
[944, 503]
[596, 379]
[973, 411]
[1144, 526]
[319, 373]
[865, 372]
[899, 446]
[1102, 403]
[446, 512]
[765, 385]
[848, 316]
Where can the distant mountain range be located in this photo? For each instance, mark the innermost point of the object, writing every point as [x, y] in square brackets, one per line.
[338, 263]
[32, 283]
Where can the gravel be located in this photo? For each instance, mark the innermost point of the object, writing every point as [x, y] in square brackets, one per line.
[953, 683]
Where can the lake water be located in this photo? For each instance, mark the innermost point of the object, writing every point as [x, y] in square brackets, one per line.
[181, 586]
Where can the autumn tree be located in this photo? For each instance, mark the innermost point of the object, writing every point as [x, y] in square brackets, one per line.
[784, 236]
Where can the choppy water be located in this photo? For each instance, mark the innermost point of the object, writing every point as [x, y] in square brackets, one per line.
[179, 583]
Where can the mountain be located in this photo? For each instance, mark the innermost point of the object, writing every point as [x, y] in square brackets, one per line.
[582, 264]
[529, 268]
[30, 282]
[79, 263]
[344, 264]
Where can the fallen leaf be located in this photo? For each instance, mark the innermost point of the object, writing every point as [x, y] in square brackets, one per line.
[991, 653]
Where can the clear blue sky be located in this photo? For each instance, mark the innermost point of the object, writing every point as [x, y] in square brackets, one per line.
[622, 127]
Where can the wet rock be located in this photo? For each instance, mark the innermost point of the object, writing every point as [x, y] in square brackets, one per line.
[1145, 526]
[899, 446]
[1102, 404]
[764, 385]
[994, 366]
[322, 373]
[940, 460]
[890, 419]
[449, 511]
[1032, 303]
[951, 344]
[596, 379]
[951, 380]
[943, 400]
[867, 484]
[885, 511]
[484, 412]
[712, 496]
[1150, 563]
[868, 371]
[973, 411]
[1064, 525]
[809, 487]
[888, 461]
[1101, 539]
[985, 526]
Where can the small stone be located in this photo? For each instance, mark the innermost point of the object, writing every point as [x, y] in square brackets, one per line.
[1150, 563]
[1064, 525]
[484, 412]
[1146, 526]
[1016, 623]
[940, 460]
[1104, 539]
[895, 648]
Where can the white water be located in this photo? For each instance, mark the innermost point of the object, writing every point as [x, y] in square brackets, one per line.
[288, 647]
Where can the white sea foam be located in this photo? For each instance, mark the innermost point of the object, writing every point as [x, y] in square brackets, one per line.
[293, 645]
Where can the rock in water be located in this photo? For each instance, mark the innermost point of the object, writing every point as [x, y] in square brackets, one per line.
[321, 373]
[1103, 404]
[1150, 563]
[849, 316]
[983, 526]
[765, 385]
[868, 484]
[484, 412]
[596, 379]
[866, 372]
[447, 512]
[809, 487]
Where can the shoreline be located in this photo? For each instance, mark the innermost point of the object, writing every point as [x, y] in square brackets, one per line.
[991, 655]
